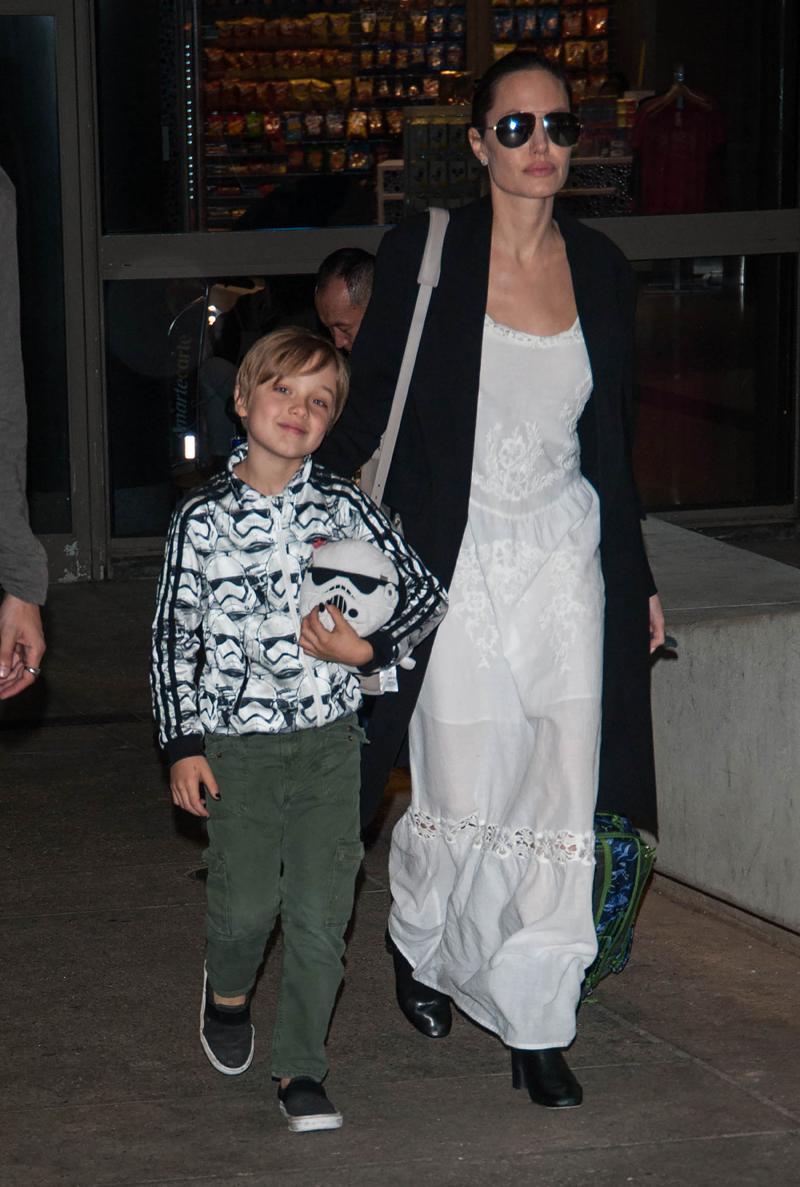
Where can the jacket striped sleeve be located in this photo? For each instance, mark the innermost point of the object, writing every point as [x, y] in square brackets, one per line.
[176, 642]
[424, 602]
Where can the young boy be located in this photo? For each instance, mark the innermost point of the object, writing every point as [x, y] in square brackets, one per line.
[257, 714]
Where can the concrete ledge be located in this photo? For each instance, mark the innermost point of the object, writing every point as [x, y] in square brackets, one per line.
[706, 904]
[726, 723]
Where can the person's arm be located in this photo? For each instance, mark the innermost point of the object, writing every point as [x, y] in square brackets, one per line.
[377, 352]
[627, 288]
[23, 567]
[176, 643]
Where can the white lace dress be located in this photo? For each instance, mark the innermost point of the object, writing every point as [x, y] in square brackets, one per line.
[491, 866]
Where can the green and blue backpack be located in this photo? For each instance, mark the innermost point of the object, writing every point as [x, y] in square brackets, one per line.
[622, 870]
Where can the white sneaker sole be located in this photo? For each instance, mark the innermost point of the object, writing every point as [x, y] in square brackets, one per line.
[212, 1059]
[314, 1122]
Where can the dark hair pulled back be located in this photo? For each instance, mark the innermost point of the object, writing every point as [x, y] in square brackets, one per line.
[513, 63]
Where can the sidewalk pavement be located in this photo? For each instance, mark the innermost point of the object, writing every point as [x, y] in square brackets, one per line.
[689, 1060]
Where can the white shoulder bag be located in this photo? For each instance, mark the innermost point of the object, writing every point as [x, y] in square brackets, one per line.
[375, 472]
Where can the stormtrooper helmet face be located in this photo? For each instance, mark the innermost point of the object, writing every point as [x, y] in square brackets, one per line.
[355, 577]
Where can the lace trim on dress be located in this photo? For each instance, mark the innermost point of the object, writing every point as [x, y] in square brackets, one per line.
[559, 847]
[543, 340]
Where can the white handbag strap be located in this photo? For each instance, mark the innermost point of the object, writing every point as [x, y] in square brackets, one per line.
[428, 278]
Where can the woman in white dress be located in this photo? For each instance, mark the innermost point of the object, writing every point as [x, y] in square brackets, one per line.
[491, 866]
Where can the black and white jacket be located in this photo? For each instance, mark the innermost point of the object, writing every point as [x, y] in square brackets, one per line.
[234, 563]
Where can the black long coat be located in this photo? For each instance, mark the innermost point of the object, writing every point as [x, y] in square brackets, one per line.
[429, 482]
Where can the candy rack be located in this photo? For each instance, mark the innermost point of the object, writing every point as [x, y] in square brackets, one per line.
[293, 90]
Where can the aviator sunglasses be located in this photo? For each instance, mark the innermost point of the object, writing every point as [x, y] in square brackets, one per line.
[516, 129]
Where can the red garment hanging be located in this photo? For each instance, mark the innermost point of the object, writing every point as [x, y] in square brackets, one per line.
[677, 136]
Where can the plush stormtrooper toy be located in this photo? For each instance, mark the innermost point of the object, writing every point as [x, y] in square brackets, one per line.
[362, 582]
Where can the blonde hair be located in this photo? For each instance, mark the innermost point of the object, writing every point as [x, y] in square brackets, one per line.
[293, 351]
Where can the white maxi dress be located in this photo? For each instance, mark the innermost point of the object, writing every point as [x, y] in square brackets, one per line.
[492, 865]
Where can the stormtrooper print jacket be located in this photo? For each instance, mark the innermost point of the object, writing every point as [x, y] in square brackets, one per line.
[225, 651]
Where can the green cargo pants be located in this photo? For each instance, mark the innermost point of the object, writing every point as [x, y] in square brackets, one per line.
[284, 838]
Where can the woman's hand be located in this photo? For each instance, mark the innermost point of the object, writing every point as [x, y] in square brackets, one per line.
[341, 645]
[656, 624]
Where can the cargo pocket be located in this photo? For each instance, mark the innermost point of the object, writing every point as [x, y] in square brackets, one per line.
[346, 864]
[218, 899]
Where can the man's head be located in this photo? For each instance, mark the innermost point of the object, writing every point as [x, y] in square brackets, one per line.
[342, 293]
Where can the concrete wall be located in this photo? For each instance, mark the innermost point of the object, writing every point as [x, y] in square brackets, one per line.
[726, 722]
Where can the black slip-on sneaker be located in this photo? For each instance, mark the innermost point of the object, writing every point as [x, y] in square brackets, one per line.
[227, 1035]
[305, 1105]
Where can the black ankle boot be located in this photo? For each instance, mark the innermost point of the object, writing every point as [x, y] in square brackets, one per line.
[426, 1009]
[547, 1077]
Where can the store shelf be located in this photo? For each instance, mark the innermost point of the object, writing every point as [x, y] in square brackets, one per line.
[294, 68]
[574, 36]
[274, 179]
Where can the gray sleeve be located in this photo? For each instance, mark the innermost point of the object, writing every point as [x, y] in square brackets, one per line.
[23, 566]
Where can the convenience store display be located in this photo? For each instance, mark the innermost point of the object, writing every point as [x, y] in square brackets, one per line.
[294, 90]
[574, 36]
